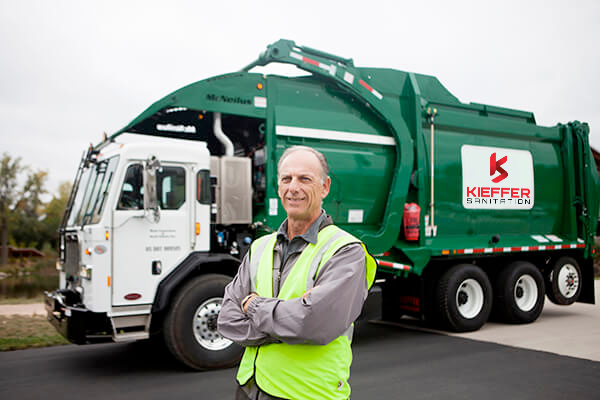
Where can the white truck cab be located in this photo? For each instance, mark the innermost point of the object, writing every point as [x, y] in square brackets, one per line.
[138, 227]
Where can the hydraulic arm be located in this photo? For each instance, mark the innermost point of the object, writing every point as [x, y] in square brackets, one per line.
[342, 71]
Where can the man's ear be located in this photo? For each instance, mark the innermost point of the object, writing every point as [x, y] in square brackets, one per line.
[326, 187]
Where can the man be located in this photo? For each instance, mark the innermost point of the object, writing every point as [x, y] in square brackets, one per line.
[297, 293]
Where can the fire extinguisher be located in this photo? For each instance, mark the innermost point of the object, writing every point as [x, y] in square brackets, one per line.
[410, 220]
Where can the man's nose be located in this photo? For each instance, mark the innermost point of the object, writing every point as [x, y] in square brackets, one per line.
[294, 184]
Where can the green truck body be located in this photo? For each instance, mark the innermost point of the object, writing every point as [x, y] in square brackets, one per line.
[378, 177]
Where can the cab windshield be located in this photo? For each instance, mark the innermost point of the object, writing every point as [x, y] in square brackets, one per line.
[92, 192]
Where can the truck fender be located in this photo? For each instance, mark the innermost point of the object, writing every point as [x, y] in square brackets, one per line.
[194, 264]
[587, 276]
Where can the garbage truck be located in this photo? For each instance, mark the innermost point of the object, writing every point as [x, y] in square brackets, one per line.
[472, 211]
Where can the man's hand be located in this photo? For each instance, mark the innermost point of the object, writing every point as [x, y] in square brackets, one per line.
[247, 300]
[305, 295]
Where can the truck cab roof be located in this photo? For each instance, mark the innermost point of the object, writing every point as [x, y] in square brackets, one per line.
[136, 147]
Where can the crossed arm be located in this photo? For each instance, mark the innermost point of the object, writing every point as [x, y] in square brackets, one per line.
[318, 317]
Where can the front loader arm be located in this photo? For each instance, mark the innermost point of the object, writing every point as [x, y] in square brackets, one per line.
[342, 71]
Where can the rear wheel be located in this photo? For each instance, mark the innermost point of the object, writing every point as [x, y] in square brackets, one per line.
[563, 281]
[190, 328]
[464, 297]
[519, 291]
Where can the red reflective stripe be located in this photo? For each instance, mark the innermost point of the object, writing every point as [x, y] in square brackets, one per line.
[521, 248]
[492, 250]
[394, 265]
[310, 61]
[385, 263]
[366, 85]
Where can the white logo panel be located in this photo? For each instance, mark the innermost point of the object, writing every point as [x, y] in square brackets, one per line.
[496, 178]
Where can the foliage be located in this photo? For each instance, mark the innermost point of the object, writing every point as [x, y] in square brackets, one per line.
[53, 213]
[21, 332]
[27, 227]
[26, 220]
[9, 171]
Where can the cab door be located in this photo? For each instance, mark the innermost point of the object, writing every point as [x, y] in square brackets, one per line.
[145, 250]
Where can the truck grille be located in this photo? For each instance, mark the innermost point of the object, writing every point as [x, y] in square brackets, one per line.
[71, 255]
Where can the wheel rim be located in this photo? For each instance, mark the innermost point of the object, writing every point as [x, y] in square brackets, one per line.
[526, 293]
[568, 280]
[205, 325]
[469, 298]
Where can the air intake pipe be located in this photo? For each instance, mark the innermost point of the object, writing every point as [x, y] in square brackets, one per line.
[221, 136]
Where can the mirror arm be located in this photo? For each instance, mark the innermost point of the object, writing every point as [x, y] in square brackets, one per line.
[152, 165]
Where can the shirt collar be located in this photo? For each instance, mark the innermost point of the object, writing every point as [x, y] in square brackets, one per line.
[310, 235]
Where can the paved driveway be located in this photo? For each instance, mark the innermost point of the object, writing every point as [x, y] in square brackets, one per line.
[566, 330]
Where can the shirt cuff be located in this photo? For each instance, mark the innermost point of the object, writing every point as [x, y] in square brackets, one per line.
[254, 304]
[245, 299]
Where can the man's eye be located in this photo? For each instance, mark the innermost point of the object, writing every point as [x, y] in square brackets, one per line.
[285, 179]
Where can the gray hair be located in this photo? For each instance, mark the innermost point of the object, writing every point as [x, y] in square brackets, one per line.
[318, 154]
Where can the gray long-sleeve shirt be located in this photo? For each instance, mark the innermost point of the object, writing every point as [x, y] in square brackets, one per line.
[322, 316]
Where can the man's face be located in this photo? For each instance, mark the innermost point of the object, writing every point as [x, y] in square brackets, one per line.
[301, 189]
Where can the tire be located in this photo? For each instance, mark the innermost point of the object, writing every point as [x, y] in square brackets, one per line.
[563, 282]
[519, 293]
[464, 298]
[190, 327]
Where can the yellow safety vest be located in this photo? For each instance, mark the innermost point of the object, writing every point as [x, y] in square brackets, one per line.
[300, 371]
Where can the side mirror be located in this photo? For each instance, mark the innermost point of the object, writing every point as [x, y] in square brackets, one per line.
[151, 166]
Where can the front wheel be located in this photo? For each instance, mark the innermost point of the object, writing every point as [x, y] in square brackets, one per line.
[190, 328]
[464, 295]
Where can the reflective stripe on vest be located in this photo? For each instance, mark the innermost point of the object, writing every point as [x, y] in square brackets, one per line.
[300, 371]
[258, 250]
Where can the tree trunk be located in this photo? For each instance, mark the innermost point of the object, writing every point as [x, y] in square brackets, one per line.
[4, 240]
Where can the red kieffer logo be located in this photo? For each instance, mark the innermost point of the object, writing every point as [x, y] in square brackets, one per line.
[496, 166]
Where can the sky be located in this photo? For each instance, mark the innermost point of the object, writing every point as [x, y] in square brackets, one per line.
[71, 70]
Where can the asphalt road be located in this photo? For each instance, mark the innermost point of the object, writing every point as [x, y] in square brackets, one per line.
[390, 362]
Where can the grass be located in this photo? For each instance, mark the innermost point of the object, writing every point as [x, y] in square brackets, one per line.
[23, 332]
[24, 283]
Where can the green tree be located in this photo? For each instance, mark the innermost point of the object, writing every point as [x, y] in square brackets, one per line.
[9, 171]
[31, 197]
[28, 213]
[53, 213]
